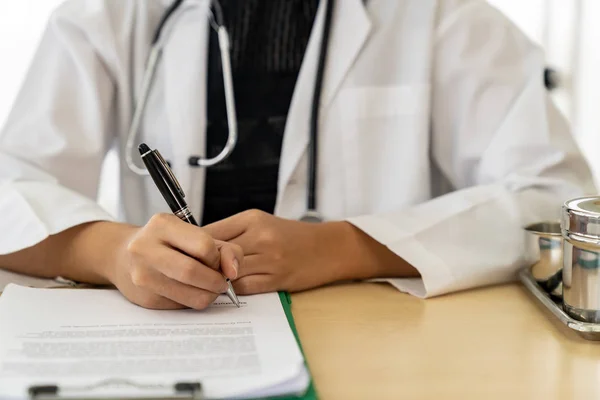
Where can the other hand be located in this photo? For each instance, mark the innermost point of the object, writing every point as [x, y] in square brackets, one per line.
[170, 264]
[283, 254]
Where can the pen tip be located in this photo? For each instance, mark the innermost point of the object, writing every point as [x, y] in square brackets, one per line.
[143, 148]
[231, 294]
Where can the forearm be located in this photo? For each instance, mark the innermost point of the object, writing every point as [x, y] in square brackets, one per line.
[86, 253]
[359, 256]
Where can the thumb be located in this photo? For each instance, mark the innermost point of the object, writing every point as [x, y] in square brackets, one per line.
[232, 258]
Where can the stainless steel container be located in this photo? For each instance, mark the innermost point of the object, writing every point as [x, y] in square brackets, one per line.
[580, 228]
[545, 245]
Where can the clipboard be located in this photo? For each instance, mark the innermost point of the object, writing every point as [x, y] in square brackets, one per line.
[181, 390]
[311, 393]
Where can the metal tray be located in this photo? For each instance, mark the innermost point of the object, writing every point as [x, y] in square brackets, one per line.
[587, 330]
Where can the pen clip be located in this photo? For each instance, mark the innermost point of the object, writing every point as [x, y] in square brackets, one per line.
[169, 172]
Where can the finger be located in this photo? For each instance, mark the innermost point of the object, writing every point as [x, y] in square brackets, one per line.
[187, 270]
[232, 259]
[255, 284]
[175, 291]
[255, 265]
[154, 302]
[232, 227]
[188, 238]
[248, 243]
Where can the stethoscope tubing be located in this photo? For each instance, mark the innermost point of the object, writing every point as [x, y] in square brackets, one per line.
[224, 46]
[148, 81]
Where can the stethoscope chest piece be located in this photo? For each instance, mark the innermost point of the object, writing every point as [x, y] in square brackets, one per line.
[312, 217]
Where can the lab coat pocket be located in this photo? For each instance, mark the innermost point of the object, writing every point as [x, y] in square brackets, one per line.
[385, 146]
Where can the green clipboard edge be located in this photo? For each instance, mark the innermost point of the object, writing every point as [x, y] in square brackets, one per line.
[311, 394]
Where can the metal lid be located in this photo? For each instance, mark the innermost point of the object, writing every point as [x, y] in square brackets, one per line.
[581, 216]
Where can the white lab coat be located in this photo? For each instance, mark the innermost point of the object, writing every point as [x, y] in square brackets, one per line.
[436, 137]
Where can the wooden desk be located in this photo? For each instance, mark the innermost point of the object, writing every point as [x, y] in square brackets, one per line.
[369, 341]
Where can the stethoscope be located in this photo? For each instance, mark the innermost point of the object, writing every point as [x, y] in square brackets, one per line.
[217, 23]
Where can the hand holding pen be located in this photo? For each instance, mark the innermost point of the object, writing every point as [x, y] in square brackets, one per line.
[173, 258]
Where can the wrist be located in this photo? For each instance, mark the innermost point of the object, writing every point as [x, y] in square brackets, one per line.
[96, 252]
[342, 259]
[358, 256]
[116, 238]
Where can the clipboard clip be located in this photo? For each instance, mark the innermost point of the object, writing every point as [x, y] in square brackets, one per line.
[181, 390]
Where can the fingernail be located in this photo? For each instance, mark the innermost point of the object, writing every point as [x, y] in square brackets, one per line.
[236, 267]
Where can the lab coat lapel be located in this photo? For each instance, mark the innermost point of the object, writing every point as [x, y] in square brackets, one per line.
[184, 58]
[349, 30]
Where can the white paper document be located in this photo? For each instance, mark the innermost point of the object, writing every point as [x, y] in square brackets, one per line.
[78, 338]
[7, 277]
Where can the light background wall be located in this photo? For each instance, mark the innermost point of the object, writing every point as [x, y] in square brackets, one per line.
[569, 32]
[22, 23]
[567, 29]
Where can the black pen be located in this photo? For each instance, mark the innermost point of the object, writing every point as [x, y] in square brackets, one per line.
[169, 188]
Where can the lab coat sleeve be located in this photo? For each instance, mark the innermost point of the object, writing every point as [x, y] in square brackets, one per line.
[56, 137]
[503, 146]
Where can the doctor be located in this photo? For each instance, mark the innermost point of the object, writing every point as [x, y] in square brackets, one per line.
[436, 144]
